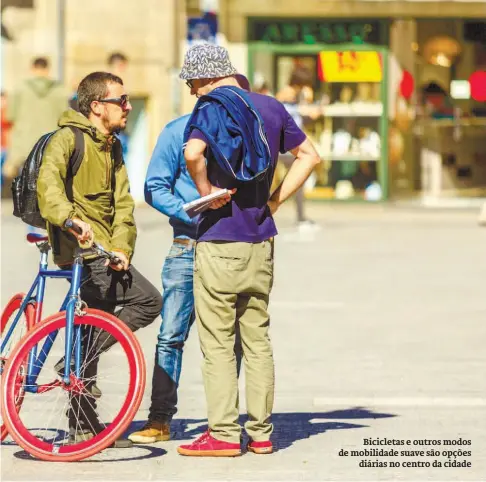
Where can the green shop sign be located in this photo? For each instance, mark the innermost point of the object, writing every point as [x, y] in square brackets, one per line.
[312, 31]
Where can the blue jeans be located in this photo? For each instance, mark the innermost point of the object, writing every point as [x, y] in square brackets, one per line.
[177, 319]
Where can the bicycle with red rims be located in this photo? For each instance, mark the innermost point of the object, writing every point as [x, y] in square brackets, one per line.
[60, 411]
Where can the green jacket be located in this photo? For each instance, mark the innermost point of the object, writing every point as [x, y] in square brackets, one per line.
[34, 109]
[100, 189]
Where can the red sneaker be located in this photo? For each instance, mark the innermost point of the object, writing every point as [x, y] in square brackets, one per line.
[265, 447]
[207, 446]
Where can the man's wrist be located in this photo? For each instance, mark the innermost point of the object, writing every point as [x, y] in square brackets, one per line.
[274, 199]
[204, 188]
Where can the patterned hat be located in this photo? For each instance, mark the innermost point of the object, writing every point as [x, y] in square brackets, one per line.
[206, 61]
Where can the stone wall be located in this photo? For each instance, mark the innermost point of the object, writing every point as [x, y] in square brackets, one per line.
[144, 30]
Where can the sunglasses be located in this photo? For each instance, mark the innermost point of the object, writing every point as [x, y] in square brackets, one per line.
[122, 101]
[189, 84]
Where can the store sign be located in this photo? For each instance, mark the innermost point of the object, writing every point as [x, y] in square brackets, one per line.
[314, 31]
[202, 29]
[350, 66]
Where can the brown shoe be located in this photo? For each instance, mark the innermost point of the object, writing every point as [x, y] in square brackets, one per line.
[151, 432]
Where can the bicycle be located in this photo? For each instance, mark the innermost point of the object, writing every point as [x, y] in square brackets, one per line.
[28, 386]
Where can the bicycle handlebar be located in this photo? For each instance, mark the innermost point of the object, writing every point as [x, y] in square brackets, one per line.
[100, 251]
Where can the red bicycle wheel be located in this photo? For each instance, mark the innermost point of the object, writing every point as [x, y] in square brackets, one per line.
[42, 409]
[24, 323]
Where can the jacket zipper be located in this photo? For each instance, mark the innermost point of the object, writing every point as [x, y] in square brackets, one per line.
[108, 158]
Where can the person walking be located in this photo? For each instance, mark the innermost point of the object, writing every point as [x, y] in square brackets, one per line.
[241, 134]
[34, 110]
[294, 100]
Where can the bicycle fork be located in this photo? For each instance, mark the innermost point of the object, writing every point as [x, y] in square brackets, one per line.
[73, 333]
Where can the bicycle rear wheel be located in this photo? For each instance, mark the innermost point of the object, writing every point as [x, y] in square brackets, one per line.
[24, 323]
[66, 422]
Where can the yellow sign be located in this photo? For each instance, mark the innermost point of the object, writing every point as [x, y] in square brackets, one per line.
[350, 66]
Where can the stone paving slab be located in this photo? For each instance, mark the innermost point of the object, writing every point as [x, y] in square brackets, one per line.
[378, 325]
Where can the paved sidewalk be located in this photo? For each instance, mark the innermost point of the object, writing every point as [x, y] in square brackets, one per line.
[379, 329]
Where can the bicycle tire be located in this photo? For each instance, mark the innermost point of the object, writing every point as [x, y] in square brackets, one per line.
[11, 307]
[78, 451]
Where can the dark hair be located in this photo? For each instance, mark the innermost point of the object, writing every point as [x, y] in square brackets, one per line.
[300, 77]
[94, 87]
[117, 57]
[40, 63]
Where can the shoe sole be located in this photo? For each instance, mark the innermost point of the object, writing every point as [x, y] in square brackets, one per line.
[210, 453]
[261, 451]
[140, 439]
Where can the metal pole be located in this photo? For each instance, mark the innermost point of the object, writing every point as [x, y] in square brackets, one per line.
[61, 37]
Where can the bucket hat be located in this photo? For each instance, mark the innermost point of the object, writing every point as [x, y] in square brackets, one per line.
[206, 61]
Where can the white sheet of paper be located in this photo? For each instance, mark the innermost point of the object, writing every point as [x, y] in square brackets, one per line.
[197, 206]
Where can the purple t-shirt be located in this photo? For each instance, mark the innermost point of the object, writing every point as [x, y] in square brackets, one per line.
[247, 217]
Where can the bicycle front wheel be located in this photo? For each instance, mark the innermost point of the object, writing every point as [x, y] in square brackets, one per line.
[15, 333]
[70, 422]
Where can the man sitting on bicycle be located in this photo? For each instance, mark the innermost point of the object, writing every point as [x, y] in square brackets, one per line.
[102, 208]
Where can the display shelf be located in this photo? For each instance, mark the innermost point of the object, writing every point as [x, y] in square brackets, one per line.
[350, 158]
[353, 110]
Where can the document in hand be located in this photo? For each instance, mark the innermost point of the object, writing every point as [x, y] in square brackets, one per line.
[200, 205]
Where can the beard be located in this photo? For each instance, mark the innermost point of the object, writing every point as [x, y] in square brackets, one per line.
[119, 126]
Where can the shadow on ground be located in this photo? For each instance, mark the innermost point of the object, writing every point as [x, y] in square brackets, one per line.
[135, 453]
[288, 427]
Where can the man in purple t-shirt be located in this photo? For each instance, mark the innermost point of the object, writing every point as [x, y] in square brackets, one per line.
[233, 272]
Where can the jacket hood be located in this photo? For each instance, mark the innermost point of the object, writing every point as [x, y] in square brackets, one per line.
[41, 85]
[74, 118]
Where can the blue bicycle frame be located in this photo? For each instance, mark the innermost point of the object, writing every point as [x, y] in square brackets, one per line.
[36, 293]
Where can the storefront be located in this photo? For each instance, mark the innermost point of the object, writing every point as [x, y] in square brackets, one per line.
[379, 128]
[345, 109]
[450, 108]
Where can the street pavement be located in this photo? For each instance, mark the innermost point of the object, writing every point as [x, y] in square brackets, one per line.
[379, 329]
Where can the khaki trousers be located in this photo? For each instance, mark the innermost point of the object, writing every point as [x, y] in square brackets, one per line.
[232, 283]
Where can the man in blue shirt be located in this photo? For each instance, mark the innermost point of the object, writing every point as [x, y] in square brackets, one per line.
[168, 186]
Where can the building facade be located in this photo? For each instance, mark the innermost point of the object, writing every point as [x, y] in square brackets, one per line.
[415, 139]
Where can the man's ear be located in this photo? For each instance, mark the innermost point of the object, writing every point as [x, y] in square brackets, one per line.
[96, 107]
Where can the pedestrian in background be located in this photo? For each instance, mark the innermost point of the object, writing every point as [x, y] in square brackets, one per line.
[117, 64]
[240, 134]
[34, 110]
[295, 98]
[5, 133]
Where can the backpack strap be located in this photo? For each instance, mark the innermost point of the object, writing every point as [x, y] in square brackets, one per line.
[74, 161]
[73, 166]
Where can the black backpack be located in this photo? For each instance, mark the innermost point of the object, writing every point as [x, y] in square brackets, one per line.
[24, 186]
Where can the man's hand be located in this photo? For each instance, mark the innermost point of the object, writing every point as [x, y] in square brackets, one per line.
[122, 265]
[86, 235]
[220, 202]
[273, 205]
